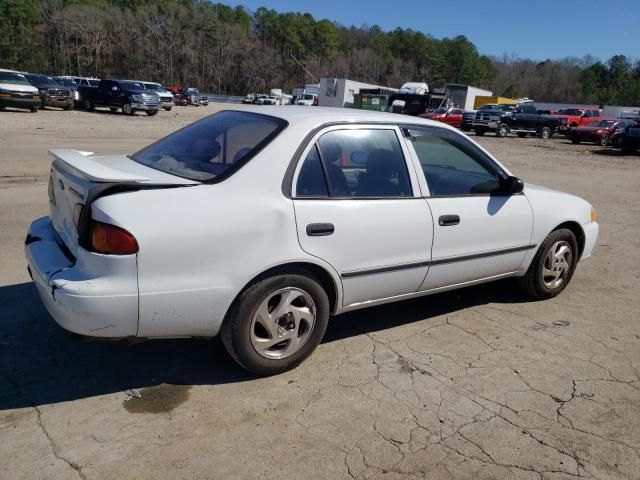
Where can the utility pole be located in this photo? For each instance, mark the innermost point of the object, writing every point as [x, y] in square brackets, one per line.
[305, 70]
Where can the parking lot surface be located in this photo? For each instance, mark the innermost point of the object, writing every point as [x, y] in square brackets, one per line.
[481, 383]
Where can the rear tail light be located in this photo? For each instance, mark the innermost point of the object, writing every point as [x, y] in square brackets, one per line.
[111, 240]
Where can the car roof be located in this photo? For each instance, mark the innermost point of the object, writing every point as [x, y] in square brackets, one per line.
[295, 114]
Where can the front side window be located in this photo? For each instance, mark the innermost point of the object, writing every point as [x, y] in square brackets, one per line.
[212, 147]
[360, 163]
[452, 166]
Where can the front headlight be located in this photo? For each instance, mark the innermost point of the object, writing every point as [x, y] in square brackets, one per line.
[76, 95]
[137, 98]
[593, 214]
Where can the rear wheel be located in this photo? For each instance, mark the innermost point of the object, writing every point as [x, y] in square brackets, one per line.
[553, 266]
[545, 133]
[276, 323]
[503, 130]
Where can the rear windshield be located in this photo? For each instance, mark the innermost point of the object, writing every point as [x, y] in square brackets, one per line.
[213, 147]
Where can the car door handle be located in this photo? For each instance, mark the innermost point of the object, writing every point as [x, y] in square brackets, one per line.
[448, 220]
[320, 229]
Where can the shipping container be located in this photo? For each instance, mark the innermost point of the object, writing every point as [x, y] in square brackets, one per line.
[340, 92]
[484, 99]
[464, 96]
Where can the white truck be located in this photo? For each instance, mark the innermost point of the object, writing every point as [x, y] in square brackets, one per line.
[464, 96]
[339, 92]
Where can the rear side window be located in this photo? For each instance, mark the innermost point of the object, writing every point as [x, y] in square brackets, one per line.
[212, 148]
[362, 163]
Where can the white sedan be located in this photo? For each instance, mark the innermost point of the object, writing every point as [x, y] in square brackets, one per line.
[259, 224]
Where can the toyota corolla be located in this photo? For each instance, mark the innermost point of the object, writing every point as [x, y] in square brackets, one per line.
[260, 224]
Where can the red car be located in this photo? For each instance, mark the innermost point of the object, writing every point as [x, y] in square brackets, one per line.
[451, 117]
[175, 89]
[576, 117]
[599, 132]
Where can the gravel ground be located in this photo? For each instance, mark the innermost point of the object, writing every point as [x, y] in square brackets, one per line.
[478, 384]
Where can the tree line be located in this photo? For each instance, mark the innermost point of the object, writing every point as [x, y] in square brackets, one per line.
[228, 50]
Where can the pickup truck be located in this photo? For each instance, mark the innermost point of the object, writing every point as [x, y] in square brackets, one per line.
[524, 119]
[127, 95]
[629, 140]
[576, 117]
[469, 115]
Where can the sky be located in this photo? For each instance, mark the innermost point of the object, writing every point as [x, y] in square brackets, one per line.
[536, 29]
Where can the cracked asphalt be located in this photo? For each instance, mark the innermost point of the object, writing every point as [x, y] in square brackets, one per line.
[475, 384]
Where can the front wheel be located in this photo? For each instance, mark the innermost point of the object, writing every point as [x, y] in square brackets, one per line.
[553, 266]
[127, 109]
[88, 105]
[604, 140]
[545, 133]
[276, 323]
[151, 113]
[168, 109]
[503, 130]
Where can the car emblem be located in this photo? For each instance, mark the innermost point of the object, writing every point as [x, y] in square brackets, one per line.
[61, 184]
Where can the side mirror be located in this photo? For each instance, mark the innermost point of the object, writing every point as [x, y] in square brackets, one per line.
[512, 185]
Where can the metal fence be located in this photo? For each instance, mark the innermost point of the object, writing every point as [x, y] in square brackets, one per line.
[223, 98]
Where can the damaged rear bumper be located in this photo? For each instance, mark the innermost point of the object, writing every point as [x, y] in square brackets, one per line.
[91, 294]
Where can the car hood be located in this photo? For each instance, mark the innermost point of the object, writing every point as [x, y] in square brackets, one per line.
[18, 87]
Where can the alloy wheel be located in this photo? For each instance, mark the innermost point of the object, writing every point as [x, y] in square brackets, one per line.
[557, 264]
[283, 323]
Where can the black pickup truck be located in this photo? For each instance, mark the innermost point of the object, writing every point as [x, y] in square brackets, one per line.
[629, 140]
[127, 95]
[524, 120]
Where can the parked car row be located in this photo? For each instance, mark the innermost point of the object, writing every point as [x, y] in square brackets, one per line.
[577, 124]
[37, 91]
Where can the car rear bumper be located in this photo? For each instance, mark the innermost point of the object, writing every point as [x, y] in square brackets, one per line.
[94, 295]
[591, 230]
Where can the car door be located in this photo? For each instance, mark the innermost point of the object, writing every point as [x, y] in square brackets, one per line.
[479, 232]
[358, 207]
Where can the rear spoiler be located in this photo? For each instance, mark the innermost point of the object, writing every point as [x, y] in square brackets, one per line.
[85, 166]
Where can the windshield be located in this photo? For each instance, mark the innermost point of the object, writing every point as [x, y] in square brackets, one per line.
[94, 83]
[43, 81]
[488, 106]
[132, 86]
[11, 77]
[67, 82]
[214, 146]
[602, 123]
[154, 87]
[308, 96]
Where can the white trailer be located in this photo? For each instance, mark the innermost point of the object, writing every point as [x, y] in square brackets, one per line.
[464, 96]
[339, 92]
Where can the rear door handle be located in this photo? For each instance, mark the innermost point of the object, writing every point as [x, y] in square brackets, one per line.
[448, 220]
[320, 229]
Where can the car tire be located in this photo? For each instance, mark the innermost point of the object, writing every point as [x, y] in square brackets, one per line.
[248, 336]
[604, 140]
[168, 109]
[33, 109]
[88, 105]
[151, 113]
[545, 133]
[522, 134]
[552, 267]
[69, 107]
[479, 133]
[502, 130]
[127, 109]
[575, 140]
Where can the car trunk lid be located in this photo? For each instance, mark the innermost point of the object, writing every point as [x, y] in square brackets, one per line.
[78, 178]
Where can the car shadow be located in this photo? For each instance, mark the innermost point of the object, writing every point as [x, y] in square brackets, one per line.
[40, 363]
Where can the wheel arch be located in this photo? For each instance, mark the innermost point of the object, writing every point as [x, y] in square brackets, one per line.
[577, 230]
[330, 285]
